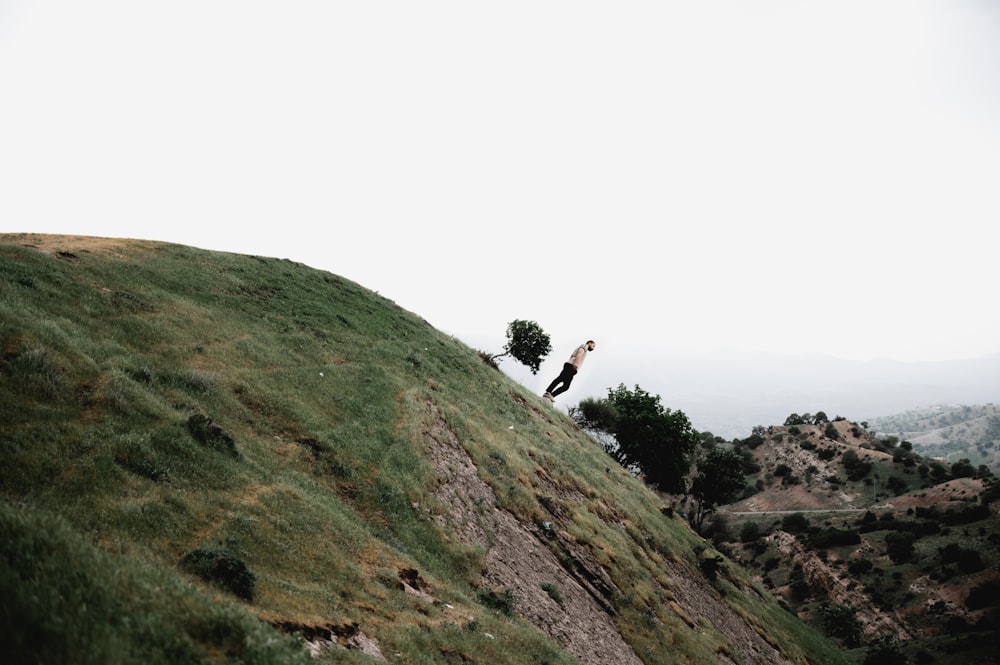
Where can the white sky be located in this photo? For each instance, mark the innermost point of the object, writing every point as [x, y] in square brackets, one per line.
[780, 175]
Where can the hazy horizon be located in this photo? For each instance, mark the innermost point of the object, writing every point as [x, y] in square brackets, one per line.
[778, 176]
[730, 392]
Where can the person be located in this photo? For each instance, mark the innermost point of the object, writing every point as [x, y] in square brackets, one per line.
[569, 370]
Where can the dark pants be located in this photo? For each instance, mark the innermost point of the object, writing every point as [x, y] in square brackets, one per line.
[565, 378]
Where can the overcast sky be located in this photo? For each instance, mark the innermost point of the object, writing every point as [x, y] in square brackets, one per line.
[674, 177]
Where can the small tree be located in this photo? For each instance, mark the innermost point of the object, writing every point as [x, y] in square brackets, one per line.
[794, 419]
[899, 546]
[720, 480]
[527, 343]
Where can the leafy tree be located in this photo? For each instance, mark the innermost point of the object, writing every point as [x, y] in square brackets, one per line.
[963, 469]
[794, 419]
[983, 595]
[897, 485]
[938, 471]
[795, 523]
[750, 532]
[855, 467]
[527, 343]
[720, 480]
[899, 546]
[648, 437]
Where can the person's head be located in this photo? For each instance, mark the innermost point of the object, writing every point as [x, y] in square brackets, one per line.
[591, 344]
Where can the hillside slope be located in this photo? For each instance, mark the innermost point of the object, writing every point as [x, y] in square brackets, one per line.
[868, 539]
[212, 457]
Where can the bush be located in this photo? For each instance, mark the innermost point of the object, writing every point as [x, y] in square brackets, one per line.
[501, 601]
[859, 566]
[222, 569]
[795, 523]
[969, 561]
[831, 537]
[884, 651]
[899, 546]
[856, 469]
[749, 532]
[983, 595]
[209, 434]
[841, 622]
[553, 591]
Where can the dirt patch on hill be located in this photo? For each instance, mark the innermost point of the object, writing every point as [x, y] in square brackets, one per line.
[71, 247]
[960, 489]
[517, 560]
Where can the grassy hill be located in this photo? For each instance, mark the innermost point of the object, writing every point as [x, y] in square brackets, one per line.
[214, 458]
[864, 537]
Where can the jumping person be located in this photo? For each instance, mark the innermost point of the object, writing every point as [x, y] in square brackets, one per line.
[569, 370]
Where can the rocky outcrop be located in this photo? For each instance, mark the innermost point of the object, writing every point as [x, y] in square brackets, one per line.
[826, 581]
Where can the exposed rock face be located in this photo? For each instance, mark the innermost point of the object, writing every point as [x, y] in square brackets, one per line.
[520, 559]
[822, 578]
[517, 560]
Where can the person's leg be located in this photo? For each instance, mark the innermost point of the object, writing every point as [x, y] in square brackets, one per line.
[567, 378]
[564, 377]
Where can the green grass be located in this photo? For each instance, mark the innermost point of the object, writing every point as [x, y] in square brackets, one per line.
[66, 601]
[310, 398]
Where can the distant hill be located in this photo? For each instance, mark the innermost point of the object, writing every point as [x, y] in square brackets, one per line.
[952, 432]
[866, 537]
[213, 458]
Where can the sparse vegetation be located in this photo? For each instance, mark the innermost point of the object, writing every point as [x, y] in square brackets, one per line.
[921, 533]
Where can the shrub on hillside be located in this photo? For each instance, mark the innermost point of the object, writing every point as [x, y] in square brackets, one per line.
[222, 569]
[209, 434]
[859, 566]
[832, 537]
[750, 532]
[841, 622]
[899, 546]
[984, 595]
[969, 561]
[855, 467]
[795, 523]
[884, 651]
[502, 601]
[826, 453]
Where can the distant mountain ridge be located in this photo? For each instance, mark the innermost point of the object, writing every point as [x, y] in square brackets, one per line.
[729, 393]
